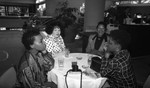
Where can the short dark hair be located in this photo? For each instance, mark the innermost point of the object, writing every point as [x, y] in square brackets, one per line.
[50, 27]
[101, 23]
[28, 37]
[121, 37]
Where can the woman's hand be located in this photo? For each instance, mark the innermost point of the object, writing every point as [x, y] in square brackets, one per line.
[91, 73]
[44, 51]
[107, 54]
[105, 46]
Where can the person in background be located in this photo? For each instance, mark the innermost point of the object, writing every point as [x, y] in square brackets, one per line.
[35, 63]
[54, 41]
[128, 19]
[148, 19]
[118, 69]
[25, 26]
[96, 42]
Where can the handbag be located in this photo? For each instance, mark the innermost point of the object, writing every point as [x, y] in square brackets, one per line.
[95, 64]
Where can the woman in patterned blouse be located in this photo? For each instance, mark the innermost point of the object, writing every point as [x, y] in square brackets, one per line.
[54, 41]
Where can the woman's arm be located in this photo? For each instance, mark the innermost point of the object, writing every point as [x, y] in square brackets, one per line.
[49, 61]
[89, 45]
[62, 41]
[110, 67]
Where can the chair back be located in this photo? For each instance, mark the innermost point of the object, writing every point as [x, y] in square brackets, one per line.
[8, 78]
[11, 49]
[147, 83]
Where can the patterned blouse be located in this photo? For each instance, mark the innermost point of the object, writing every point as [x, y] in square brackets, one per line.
[54, 45]
[119, 71]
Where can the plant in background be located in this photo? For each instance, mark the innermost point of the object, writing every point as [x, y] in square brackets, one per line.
[33, 22]
[65, 14]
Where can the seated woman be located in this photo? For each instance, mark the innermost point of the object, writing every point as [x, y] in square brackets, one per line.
[34, 64]
[118, 68]
[54, 41]
[96, 42]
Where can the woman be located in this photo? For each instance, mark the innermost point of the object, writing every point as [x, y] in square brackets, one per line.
[118, 68]
[34, 64]
[128, 19]
[96, 42]
[54, 42]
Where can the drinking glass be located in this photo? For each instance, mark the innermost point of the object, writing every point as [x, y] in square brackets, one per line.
[60, 62]
[67, 52]
[89, 59]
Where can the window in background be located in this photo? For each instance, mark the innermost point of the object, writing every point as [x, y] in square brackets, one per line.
[145, 1]
[39, 1]
[2, 28]
[14, 11]
[82, 8]
[41, 8]
[129, 2]
[133, 2]
[2, 11]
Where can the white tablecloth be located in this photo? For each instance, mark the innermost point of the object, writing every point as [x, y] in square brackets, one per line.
[73, 79]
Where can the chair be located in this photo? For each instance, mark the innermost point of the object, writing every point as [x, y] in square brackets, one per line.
[147, 83]
[8, 78]
[11, 49]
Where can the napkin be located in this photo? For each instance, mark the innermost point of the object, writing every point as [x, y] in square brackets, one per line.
[91, 73]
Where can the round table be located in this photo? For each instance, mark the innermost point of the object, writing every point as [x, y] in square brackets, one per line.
[57, 74]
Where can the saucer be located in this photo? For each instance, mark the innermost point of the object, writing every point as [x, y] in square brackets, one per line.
[79, 58]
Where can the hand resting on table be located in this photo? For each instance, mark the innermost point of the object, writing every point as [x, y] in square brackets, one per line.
[91, 73]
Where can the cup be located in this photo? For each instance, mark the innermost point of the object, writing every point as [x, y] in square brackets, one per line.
[79, 58]
[60, 62]
[89, 59]
[67, 52]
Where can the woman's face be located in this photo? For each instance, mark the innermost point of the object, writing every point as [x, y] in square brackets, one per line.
[112, 46]
[56, 32]
[38, 43]
[100, 30]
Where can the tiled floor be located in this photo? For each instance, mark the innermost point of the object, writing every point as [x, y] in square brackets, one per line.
[141, 64]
